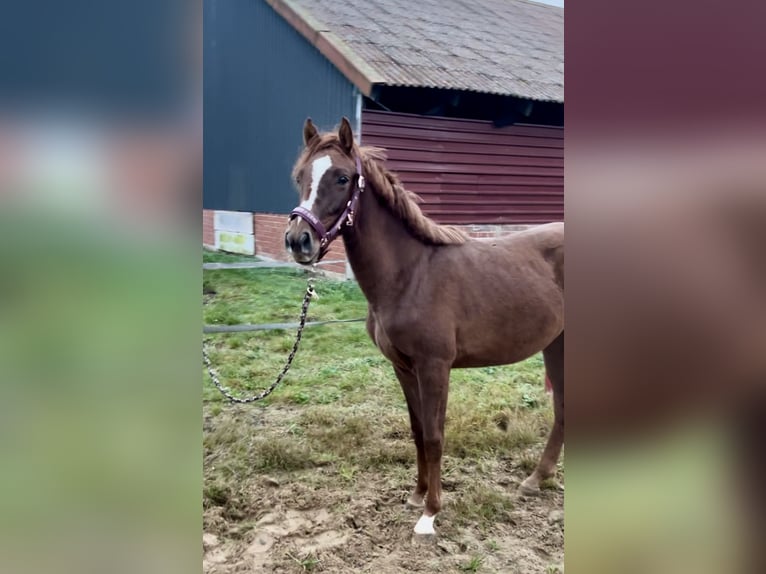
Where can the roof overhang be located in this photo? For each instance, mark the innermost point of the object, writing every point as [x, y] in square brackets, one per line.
[329, 45]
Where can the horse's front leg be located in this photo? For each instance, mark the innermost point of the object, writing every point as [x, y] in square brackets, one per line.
[433, 384]
[409, 384]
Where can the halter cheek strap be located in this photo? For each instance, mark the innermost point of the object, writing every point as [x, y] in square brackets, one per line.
[328, 236]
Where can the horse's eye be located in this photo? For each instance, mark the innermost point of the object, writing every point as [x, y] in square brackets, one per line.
[343, 180]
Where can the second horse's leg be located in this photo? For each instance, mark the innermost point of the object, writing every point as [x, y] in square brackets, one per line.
[554, 366]
[409, 384]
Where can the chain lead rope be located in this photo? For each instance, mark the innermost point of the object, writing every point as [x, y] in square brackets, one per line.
[310, 294]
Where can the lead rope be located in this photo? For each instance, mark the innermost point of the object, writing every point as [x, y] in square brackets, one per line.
[310, 294]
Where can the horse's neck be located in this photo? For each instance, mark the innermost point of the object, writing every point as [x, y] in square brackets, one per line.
[379, 249]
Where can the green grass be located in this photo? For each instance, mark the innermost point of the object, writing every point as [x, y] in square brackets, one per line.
[473, 565]
[338, 364]
[340, 407]
[306, 564]
[220, 257]
[482, 505]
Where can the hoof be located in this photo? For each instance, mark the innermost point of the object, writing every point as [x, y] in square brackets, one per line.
[425, 526]
[415, 501]
[529, 489]
[530, 486]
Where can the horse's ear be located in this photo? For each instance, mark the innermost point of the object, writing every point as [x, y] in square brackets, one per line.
[309, 131]
[346, 136]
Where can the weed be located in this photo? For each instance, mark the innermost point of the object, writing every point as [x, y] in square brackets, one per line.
[549, 484]
[473, 564]
[482, 504]
[307, 563]
[281, 453]
[347, 473]
[530, 396]
[216, 494]
[527, 462]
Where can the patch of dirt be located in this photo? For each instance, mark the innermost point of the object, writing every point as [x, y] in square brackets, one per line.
[315, 522]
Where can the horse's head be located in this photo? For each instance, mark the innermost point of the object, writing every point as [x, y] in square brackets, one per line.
[328, 177]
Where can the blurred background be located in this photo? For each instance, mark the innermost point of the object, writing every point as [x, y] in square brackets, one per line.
[666, 300]
[100, 189]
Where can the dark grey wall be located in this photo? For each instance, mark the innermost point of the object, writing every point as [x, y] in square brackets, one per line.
[262, 79]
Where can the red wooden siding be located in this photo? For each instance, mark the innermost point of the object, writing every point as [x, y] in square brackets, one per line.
[469, 171]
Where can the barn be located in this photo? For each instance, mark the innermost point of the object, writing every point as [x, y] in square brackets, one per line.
[467, 97]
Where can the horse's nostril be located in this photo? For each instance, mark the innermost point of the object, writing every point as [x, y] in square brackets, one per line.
[287, 242]
[305, 241]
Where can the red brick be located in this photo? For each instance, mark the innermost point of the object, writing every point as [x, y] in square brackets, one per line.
[208, 231]
[269, 231]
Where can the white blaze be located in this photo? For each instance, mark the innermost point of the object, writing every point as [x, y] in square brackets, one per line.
[318, 169]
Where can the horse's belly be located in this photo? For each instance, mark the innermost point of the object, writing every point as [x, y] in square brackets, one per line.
[496, 345]
[493, 357]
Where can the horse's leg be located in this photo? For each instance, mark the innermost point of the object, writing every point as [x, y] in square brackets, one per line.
[553, 355]
[750, 470]
[433, 383]
[409, 384]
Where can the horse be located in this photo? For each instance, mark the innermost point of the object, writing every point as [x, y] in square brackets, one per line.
[437, 299]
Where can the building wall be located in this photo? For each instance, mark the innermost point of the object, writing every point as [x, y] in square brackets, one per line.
[269, 229]
[470, 172]
[262, 80]
[270, 243]
[208, 229]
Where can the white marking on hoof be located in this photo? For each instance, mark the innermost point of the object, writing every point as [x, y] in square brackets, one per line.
[318, 169]
[425, 525]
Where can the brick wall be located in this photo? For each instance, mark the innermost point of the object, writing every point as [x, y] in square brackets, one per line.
[270, 242]
[208, 229]
[270, 231]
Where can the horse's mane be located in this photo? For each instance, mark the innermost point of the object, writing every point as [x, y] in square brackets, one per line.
[387, 187]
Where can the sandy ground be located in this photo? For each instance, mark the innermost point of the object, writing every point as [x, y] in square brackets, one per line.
[315, 520]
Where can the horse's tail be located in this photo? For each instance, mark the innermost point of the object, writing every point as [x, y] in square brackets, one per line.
[548, 387]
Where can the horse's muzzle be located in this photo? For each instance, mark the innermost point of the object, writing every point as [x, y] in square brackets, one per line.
[301, 244]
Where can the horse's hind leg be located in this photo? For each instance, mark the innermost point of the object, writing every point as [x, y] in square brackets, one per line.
[553, 356]
[409, 384]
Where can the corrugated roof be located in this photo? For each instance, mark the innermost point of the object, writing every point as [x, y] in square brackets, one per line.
[509, 47]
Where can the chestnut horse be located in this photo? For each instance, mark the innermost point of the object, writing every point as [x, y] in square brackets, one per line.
[438, 299]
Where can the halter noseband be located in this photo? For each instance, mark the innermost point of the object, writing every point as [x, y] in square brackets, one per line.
[326, 237]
